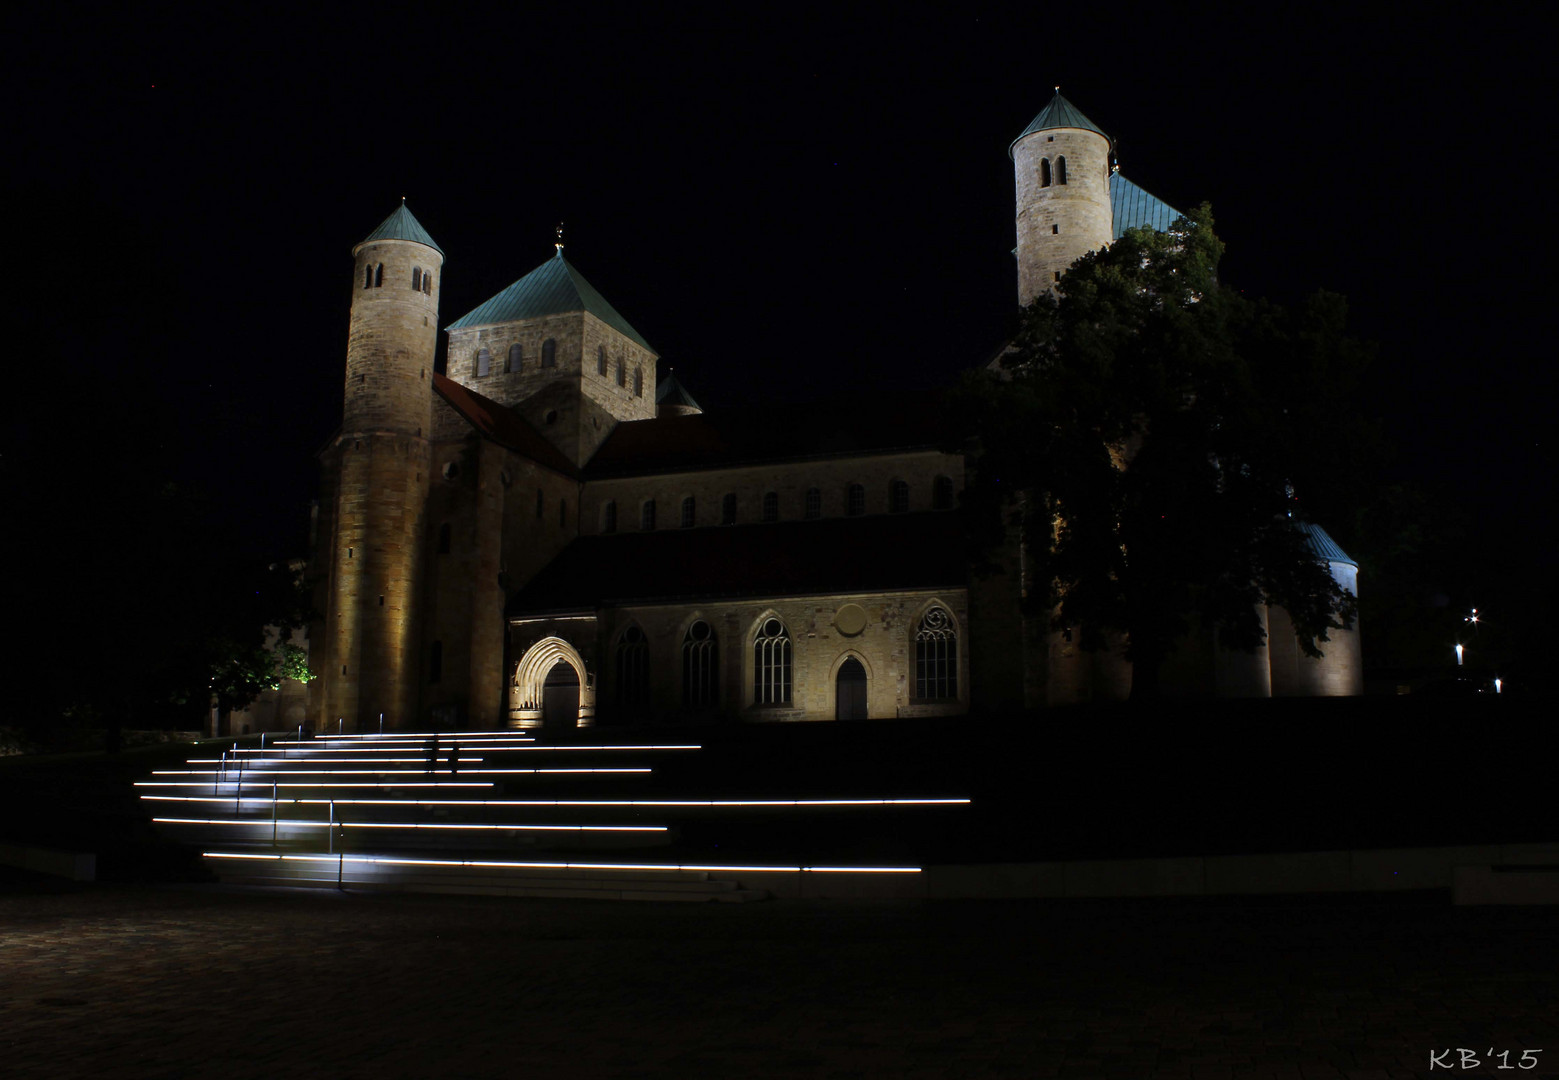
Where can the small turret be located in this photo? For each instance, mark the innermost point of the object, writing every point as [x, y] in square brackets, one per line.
[1061, 164]
[672, 399]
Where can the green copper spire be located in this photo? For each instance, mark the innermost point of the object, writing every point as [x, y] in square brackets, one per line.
[402, 226]
[1060, 113]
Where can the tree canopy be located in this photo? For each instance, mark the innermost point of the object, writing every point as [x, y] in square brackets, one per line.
[1148, 427]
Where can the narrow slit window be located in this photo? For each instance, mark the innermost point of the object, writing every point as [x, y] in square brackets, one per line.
[416, 279]
[1044, 172]
[1061, 170]
[638, 382]
[379, 276]
[600, 360]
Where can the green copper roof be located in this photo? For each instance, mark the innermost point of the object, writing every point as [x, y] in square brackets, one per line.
[670, 391]
[1130, 206]
[553, 288]
[1060, 113]
[1323, 546]
[402, 226]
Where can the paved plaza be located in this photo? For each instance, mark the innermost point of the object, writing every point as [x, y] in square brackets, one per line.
[137, 981]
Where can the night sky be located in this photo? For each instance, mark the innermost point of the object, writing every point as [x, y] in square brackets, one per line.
[784, 208]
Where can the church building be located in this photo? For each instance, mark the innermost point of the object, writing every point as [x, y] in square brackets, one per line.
[551, 533]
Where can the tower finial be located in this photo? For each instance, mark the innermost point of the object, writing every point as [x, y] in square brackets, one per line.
[559, 242]
[1058, 88]
[403, 200]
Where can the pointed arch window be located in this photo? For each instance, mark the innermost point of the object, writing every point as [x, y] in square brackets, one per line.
[689, 511]
[647, 516]
[516, 357]
[484, 362]
[549, 353]
[771, 664]
[633, 670]
[609, 517]
[700, 668]
[728, 509]
[898, 497]
[1044, 172]
[600, 359]
[855, 500]
[814, 504]
[771, 506]
[1061, 169]
[416, 279]
[942, 493]
[936, 656]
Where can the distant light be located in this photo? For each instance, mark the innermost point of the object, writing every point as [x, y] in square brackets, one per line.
[1497, 684]
[1459, 653]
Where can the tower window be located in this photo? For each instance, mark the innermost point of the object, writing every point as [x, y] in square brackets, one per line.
[942, 493]
[416, 279]
[771, 506]
[647, 516]
[689, 512]
[855, 500]
[1044, 172]
[516, 357]
[1061, 169]
[368, 277]
[771, 664]
[427, 282]
[549, 353]
[622, 373]
[379, 276]
[600, 360]
[898, 497]
[443, 539]
[814, 504]
[1055, 230]
[484, 362]
[728, 509]
[638, 382]
[609, 517]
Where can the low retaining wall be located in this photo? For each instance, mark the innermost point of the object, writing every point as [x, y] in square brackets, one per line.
[76, 866]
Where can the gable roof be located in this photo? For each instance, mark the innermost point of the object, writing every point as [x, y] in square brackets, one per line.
[553, 288]
[773, 432]
[1060, 113]
[402, 226]
[503, 426]
[879, 553]
[1131, 207]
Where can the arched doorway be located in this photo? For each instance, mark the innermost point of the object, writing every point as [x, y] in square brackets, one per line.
[850, 691]
[560, 696]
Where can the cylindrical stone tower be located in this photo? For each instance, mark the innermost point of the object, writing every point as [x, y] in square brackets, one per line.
[383, 457]
[1062, 166]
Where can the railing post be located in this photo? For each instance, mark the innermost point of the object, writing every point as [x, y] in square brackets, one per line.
[273, 813]
[238, 793]
[381, 723]
[330, 830]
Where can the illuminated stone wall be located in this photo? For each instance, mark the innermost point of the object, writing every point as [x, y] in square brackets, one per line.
[1058, 224]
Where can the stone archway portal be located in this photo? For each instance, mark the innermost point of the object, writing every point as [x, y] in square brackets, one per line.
[541, 692]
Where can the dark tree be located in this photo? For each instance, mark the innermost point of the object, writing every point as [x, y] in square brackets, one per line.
[1148, 428]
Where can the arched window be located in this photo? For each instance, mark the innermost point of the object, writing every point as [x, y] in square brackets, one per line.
[1044, 172]
[942, 493]
[609, 517]
[814, 504]
[688, 512]
[771, 506]
[379, 276]
[549, 353]
[898, 497]
[647, 516]
[633, 670]
[771, 664]
[416, 279]
[855, 500]
[700, 669]
[435, 661]
[427, 282]
[600, 359]
[936, 656]
[368, 277]
[622, 372]
[638, 382]
[516, 357]
[484, 362]
[541, 502]
[728, 509]
[1061, 170]
[443, 539]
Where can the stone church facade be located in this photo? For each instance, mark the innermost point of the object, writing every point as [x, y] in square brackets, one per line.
[550, 534]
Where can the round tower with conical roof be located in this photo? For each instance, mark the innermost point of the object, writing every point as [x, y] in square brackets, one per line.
[1061, 163]
[380, 462]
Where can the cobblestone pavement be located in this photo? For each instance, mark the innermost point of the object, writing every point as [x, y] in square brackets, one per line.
[108, 982]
